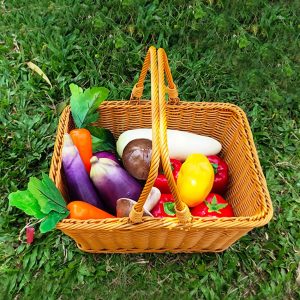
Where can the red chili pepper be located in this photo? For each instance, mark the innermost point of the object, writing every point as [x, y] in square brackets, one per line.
[165, 207]
[161, 181]
[221, 174]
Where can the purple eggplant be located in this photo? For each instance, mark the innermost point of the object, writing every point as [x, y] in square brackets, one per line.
[113, 182]
[78, 181]
[107, 154]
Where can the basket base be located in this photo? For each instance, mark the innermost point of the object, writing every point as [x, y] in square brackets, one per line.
[137, 251]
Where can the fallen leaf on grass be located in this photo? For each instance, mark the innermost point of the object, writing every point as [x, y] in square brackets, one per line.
[37, 70]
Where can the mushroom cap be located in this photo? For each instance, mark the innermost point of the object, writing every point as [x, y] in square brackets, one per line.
[136, 158]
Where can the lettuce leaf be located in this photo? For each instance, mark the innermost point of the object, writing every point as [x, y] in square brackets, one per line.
[102, 139]
[42, 200]
[84, 104]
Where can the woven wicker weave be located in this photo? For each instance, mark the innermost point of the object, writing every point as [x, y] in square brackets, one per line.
[247, 192]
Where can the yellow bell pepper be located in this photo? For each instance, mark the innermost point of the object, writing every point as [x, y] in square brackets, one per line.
[195, 179]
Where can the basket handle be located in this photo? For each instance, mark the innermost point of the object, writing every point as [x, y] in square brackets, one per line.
[138, 88]
[137, 211]
[182, 210]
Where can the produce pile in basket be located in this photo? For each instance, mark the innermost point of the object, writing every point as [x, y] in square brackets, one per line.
[105, 177]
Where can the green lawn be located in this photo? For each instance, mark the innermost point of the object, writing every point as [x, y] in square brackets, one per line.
[243, 52]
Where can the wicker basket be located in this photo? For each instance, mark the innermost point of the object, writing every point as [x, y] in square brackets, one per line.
[247, 192]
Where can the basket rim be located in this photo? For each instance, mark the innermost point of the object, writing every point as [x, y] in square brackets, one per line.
[160, 223]
[257, 220]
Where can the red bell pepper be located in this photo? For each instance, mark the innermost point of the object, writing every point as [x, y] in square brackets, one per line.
[161, 181]
[165, 207]
[213, 206]
[221, 174]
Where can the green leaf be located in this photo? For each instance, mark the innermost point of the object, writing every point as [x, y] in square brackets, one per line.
[53, 191]
[51, 220]
[25, 201]
[85, 103]
[214, 200]
[42, 200]
[102, 139]
[243, 42]
[75, 90]
[199, 13]
[90, 119]
[47, 195]
[119, 43]
[169, 208]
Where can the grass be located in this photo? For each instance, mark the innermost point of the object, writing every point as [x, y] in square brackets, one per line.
[243, 52]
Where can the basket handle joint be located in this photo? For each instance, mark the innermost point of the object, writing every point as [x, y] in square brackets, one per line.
[136, 94]
[136, 216]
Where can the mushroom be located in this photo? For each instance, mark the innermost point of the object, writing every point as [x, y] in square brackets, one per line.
[136, 158]
[125, 205]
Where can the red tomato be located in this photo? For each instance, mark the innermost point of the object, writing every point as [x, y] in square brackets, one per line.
[213, 206]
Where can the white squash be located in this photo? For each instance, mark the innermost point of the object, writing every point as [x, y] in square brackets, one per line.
[180, 143]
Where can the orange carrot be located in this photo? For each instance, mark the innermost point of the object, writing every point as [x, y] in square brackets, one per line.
[81, 210]
[82, 139]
